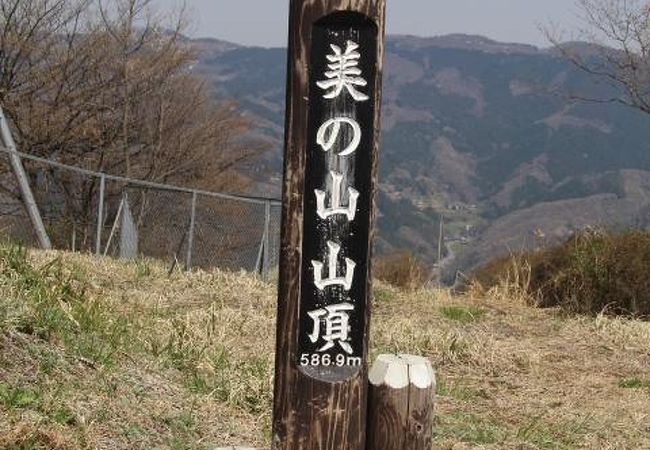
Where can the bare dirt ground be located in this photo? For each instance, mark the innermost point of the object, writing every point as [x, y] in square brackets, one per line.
[107, 355]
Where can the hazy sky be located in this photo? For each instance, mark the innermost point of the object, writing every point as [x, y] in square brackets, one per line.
[264, 22]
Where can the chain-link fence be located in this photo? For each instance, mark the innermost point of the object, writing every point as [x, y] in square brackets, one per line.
[116, 216]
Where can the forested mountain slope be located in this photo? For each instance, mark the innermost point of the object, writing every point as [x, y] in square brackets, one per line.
[478, 131]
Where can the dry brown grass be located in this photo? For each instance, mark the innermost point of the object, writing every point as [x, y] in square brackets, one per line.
[403, 270]
[518, 377]
[196, 368]
[593, 272]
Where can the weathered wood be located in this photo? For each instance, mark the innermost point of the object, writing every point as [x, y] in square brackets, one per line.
[318, 405]
[401, 403]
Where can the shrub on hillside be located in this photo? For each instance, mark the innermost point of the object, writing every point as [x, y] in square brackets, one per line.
[401, 270]
[591, 273]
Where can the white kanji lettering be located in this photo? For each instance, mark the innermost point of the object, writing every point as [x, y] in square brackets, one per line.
[344, 73]
[334, 280]
[327, 140]
[350, 211]
[337, 327]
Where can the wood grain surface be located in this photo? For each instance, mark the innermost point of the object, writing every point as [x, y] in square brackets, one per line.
[307, 413]
[401, 403]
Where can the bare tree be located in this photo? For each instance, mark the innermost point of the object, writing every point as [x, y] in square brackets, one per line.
[104, 85]
[618, 54]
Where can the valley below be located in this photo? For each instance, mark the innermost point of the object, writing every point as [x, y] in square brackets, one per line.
[477, 133]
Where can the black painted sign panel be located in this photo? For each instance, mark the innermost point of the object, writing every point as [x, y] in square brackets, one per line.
[338, 196]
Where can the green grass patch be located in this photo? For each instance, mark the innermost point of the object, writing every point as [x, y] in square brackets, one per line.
[634, 383]
[478, 430]
[240, 383]
[554, 436]
[63, 416]
[18, 397]
[381, 295]
[457, 390]
[183, 431]
[468, 428]
[462, 314]
[51, 303]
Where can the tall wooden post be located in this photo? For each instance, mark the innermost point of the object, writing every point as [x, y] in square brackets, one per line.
[331, 143]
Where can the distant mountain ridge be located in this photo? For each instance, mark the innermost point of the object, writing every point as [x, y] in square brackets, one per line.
[476, 131]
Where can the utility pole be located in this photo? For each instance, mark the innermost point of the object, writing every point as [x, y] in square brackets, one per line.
[23, 184]
[331, 146]
[441, 238]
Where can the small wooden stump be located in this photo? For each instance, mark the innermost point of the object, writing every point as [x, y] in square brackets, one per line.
[401, 403]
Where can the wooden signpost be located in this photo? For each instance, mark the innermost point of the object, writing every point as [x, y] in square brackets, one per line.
[331, 143]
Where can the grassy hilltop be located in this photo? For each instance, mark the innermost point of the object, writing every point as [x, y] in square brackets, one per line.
[108, 355]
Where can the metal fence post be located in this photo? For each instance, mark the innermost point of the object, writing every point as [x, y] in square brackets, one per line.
[259, 262]
[267, 235]
[190, 239]
[100, 215]
[265, 244]
[7, 140]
